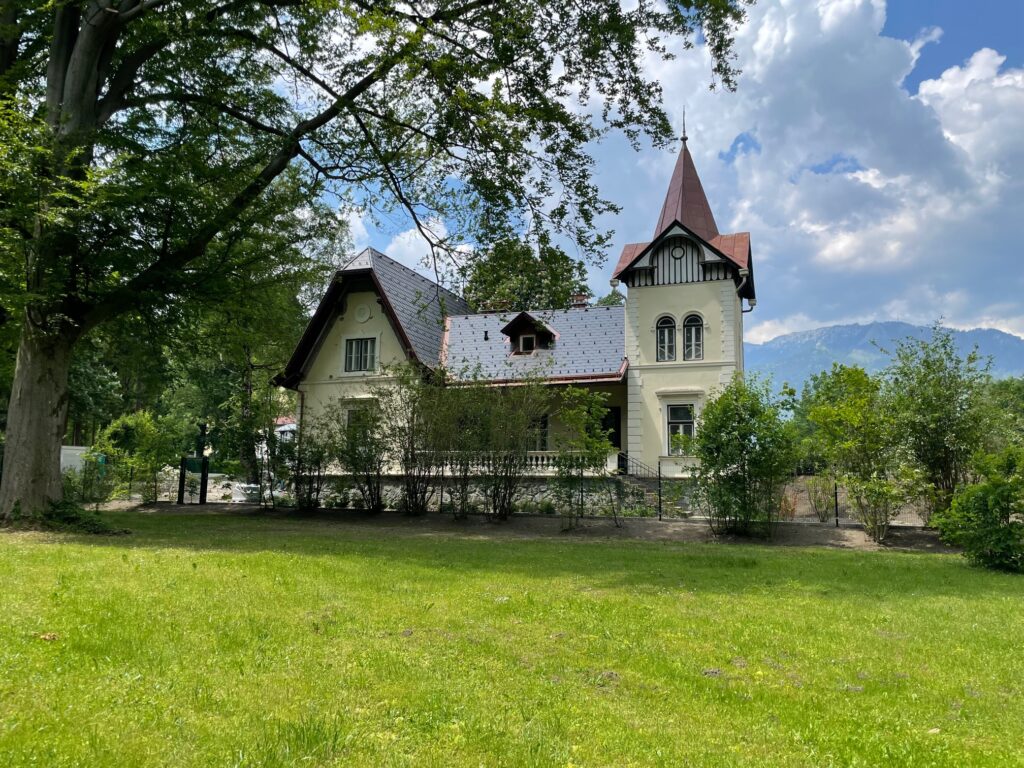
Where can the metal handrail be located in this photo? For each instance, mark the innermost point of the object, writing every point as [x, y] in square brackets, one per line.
[636, 468]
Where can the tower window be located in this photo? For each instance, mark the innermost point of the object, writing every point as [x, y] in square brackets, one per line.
[666, 333]
[693, 338]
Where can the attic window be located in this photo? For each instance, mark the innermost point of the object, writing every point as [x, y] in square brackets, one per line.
[527, 334]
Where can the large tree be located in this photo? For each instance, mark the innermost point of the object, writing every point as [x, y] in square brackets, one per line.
[513, 276]
[146, 141]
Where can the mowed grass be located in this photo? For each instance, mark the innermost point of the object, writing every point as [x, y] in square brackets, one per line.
[256, 641]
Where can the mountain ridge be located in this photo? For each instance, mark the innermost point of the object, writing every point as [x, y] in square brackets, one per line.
[795, 357]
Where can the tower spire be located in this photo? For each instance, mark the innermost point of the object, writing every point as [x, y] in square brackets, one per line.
[684, 125]
[685, 200]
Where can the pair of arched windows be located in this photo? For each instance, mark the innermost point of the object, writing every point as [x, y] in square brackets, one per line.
[693, 338]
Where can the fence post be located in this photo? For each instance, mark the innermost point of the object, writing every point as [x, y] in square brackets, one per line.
[181, 479]
[204, 479]
[659, 489]
[440, 500]
[835, 495]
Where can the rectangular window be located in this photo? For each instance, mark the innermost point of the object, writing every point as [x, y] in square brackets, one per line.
[360, 354]
[666, 344]
[540, 433]
[693, 342]
[527, 343]
[680, 422]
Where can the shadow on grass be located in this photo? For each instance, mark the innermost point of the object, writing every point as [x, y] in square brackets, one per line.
[533, 548]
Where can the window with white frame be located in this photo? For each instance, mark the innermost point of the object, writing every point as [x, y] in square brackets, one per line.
[527, 343]
[360, 354]
[666, 338]
[680, 423]
[693, 338]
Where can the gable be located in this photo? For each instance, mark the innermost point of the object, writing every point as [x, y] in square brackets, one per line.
[359, 315]
[414, 307]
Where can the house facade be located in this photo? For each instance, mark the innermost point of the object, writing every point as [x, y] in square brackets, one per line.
[659, 357]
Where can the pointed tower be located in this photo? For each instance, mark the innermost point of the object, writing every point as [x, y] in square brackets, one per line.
[686, 202]
[684, 318]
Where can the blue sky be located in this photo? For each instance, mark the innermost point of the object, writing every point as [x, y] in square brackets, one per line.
[874, 150]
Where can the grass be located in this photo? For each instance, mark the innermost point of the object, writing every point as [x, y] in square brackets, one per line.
[257, 641]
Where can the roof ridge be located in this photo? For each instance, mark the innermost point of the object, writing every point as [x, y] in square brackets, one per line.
[413, 272]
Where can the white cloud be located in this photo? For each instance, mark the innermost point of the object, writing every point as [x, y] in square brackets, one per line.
[864, 200]
[769, 329]
[357, 231]
[412, 249]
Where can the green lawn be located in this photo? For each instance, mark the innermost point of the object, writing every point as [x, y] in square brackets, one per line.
[228, 640]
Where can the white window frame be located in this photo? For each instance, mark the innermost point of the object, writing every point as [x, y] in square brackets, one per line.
[374, 354]
[693, 349]
[668, 421]
[522, 338]
[670, 353]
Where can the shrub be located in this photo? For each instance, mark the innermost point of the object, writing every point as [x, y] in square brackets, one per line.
[747, 453]
[135, 448]
[787, 506]
[863, 445]
[820, 495]
[987, 519]
[69, 517]
[875, 502]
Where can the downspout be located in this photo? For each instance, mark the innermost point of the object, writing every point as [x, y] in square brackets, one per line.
[745, 274]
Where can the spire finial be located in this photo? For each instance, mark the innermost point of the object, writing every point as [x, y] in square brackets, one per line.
[684, 125]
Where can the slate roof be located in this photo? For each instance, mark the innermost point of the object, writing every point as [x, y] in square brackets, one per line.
[419, 304]
[415, 305]
[590, 345]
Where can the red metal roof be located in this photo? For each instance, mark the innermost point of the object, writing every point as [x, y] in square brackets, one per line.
[629, 252]
[686, 202]
[736, 247]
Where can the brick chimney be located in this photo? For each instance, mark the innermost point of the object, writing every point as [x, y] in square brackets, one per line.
[579, 301]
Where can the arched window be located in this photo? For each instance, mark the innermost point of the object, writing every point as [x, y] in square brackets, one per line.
[666, 331]
[693, 338]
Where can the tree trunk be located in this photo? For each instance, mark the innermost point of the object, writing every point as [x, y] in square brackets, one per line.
[36, 420]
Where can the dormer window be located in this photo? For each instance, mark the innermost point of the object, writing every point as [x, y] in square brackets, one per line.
[526, 334]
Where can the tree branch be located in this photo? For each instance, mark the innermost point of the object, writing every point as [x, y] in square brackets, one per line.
[162, 272]
[124, 78]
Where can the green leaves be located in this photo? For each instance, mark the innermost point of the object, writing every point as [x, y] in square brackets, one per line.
[987, 519]
[513, 276]
[747, 453]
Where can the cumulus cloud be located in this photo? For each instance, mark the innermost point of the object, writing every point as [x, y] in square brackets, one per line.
[412, 249]
[358, 234]
[865, 201]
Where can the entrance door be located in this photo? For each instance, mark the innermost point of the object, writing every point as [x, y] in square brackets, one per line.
[612, 421]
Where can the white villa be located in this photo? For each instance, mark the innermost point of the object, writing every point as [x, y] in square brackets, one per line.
[678, 337]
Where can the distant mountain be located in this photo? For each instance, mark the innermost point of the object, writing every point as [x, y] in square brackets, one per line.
[795, 357]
